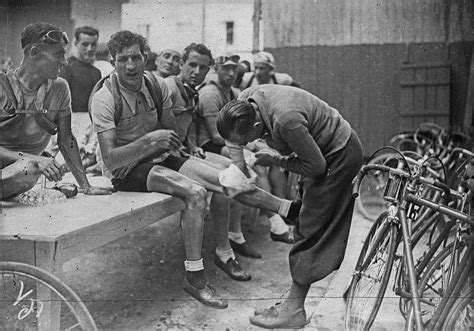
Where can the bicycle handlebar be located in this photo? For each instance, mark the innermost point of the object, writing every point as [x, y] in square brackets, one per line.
[368, 167]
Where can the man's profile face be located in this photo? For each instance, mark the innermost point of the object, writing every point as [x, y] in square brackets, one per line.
[130, 66]
[262, 72]
[51, 59]
[86, 47]
[226, 74]
[195, 69]
[244, 139]
[167, 63]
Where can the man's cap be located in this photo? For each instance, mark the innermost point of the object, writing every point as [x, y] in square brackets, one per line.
[224, 61]
[235, 58]
[265, 58]
[34, 32]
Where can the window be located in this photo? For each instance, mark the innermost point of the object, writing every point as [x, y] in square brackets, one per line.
[229, 31]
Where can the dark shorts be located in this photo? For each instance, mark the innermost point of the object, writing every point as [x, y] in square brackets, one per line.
[136, 179]
[213, 148]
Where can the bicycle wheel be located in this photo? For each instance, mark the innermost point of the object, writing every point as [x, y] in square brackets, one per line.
[370, 202]
[435, 281]
[461, 314]
[31, 296]
[371, 275]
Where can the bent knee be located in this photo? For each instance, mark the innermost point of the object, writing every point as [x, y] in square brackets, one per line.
[198, 194]
[19, 177]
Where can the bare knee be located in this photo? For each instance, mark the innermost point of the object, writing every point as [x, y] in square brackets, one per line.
[19, 177]
[196, 196]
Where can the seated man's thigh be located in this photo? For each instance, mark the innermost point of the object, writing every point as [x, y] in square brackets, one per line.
[17, 178]
[202, 172]
[217, 161]
[165, 180]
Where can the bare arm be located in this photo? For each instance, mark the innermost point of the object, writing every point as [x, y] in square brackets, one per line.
[153, 143]
[68, 147]
[211, 126]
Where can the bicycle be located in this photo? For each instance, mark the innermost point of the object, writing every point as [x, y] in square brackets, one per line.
[28, 294]
[374, 266]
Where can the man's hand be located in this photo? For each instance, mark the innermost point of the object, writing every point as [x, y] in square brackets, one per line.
[95, 190]
[51, 169]
[198, 152]
[267, 158]
[168, 140]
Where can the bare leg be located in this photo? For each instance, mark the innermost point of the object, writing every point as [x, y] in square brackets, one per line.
[18, 177]
[164, 180]
[208, 177]
[235, 216]
[220, 214]
[278, 181]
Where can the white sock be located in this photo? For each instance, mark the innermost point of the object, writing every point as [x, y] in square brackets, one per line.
[237, 237]
[194, 265]
[278, 225]
[224, 256]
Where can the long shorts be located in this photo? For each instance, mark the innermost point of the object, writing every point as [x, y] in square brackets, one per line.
[137, 177]
[213, 148]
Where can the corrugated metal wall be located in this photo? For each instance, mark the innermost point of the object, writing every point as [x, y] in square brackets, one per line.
[350, 53]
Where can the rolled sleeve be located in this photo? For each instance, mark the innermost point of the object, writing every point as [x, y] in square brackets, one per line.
[64, 99]
[102, 111]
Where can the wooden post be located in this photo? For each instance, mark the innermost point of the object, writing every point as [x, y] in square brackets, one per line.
[257, 17]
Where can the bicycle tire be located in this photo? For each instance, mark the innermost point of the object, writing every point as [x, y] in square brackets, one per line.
[370, 202]
[461, 313]
[433, 283]
[377, 254]
[14, 275]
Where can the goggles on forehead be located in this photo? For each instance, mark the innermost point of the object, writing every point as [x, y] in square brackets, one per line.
[54, 36]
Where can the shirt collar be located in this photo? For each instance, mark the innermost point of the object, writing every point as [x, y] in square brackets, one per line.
[259, 99]
[131, 96]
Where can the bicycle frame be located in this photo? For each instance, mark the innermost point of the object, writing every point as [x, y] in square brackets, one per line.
[401, 192]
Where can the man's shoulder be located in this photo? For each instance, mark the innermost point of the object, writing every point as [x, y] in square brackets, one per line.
[283, 78]
[59, 84]
[170, 82]
[246, 78]
[209, 88]
[103, 94]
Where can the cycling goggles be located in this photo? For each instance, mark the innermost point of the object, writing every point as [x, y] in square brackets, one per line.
[54, 36]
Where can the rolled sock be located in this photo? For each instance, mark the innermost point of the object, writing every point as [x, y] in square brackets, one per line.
[237, 237]
[194, 265]
[284, 207]
[278, 225]
[224, 256]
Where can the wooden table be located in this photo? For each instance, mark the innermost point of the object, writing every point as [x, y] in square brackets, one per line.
[46, 236]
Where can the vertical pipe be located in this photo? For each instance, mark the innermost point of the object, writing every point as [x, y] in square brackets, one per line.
[257, 17]
[203, 29]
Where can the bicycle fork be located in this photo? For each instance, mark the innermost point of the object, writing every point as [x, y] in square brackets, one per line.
[407, 247]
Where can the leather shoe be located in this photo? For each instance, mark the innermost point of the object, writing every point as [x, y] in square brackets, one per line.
[233, 269]
[286, 237]
[273, 320]
[266, 311]
[207, 296]
[245, 250]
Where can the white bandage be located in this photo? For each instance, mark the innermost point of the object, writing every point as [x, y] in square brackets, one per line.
[235, 182]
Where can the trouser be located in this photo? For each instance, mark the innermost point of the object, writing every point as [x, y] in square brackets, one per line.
[322, 229]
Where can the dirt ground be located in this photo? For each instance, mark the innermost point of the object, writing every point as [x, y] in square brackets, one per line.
[134, 283]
